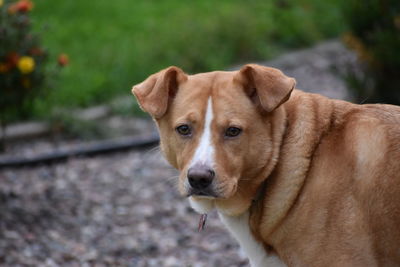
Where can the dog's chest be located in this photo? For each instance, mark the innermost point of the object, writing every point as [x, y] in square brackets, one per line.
[239, 227]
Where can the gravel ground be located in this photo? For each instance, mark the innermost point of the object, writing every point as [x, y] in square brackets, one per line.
[105, 211]
[123, 209]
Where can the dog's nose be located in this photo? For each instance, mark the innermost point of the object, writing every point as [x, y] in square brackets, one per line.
[200, 177]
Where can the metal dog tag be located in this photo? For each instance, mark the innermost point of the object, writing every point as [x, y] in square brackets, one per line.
[202, 222]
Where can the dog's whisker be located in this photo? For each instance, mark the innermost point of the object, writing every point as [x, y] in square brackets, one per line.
[152, 152]
[172, 178]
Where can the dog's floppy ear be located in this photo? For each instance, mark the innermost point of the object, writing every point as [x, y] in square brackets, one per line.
[268, 87]
[154, 93]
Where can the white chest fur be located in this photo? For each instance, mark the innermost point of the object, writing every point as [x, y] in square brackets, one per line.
[239, 227]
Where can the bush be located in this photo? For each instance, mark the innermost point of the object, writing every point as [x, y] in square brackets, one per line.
[22, 60]
[375, 37]
[23, 73]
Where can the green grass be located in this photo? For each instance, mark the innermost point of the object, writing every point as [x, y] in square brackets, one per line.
[114, 44]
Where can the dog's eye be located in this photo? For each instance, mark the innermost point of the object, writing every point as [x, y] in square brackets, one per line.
[184, 130]
[232, 132]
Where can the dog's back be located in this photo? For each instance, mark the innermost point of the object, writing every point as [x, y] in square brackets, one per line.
[348, 211]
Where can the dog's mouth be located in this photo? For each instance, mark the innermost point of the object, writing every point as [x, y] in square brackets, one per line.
[215, 190]
[209, 193]
[203, 193]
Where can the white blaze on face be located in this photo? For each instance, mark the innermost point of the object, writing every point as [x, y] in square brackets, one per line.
[204, 153]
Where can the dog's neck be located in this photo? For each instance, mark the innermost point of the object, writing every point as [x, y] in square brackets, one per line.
[300, 141]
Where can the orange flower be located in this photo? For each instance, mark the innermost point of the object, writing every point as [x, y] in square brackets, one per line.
[63, 60]
[4, 67]
[12, 59]
[12, 9]
[22, 6]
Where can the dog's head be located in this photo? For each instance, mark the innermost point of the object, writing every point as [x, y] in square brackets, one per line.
[215, 127]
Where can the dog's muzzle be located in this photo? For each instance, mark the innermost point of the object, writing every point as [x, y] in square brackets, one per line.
[200, 178]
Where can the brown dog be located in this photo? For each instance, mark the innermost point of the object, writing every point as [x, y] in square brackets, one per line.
[312, 180]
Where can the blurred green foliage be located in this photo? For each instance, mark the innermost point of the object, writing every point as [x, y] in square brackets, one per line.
[375, 36]
[114, 44]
